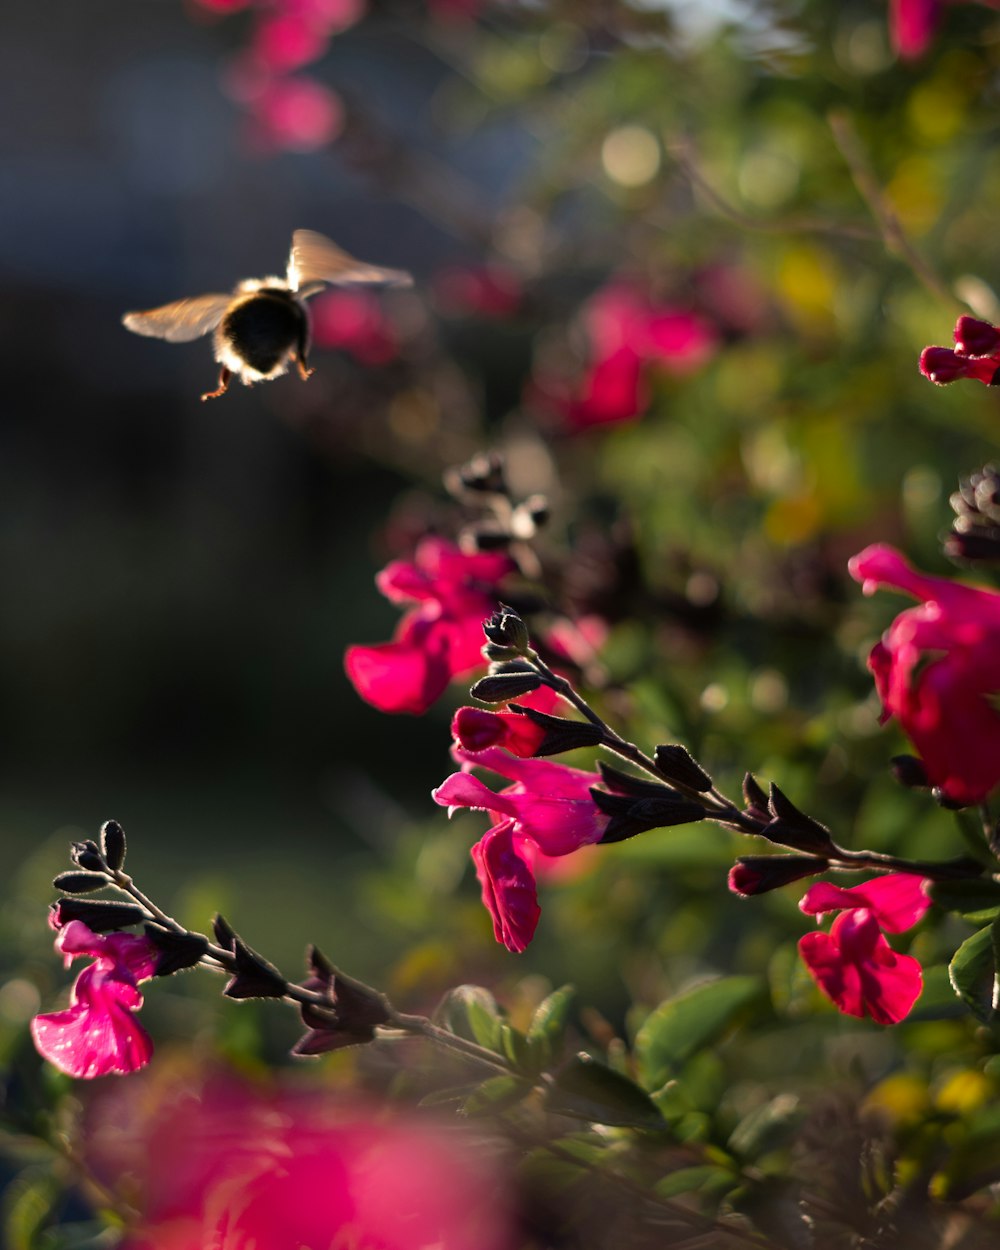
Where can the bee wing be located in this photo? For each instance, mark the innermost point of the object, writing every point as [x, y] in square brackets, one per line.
[315, 259]
[181, 321]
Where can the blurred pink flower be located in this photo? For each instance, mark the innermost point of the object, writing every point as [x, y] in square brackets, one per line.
[355, 322]
[98, 1034]
[296, 114]
[474, 728]
[479, 290]
[219, 1163]
[549, 808]
[976, 355]
[628, 335]
[853, 964]
[911, 26]
[439, 639]
[937, 670]
[284, 41]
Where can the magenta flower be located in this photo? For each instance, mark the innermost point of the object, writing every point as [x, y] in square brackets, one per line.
[354, 322]
[911, 26]
[937, 669]
[474, 728]
[549, 808]
[98, 1033]
[853, 964]
[479, 290]
[976, 355]
[628, 336]
[439, 639]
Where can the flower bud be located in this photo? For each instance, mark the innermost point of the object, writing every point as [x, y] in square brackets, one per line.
[506, 629]
[976, 338]
[757, 874]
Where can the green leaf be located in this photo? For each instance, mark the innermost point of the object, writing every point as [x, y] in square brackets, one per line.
[973, 974]
[28, 1204]
[471, 1012]
[690, 1180]
[588, 1090]
[515, 1046]
[548, 1025]
[496, 1095]
[682, 1026]
[977, 900]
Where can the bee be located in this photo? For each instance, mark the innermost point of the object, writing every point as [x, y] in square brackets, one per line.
[263, 326]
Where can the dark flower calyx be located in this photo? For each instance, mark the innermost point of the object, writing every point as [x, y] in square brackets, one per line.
[793, 828]
[101, 916]
[560, 734]
[755, 799]
[254, 977]
[631, 816]
[177, 950]
[677, 763]
[80, 882]
[909, 772]
[87, 855]
[757, 874]
[224, 933]
[502, 686]
[505, 628]
[113, 844]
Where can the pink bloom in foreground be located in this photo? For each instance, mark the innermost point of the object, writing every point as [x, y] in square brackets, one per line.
[225, 1165]
[98, 1034]
[853, 964]
[628, 335]
[440, 638]
[549, 808]
[937, 670]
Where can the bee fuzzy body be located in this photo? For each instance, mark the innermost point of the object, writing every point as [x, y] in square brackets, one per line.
[263, 326]
[263, 330]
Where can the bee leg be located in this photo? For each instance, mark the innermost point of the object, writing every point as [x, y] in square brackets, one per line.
[302, 355]
[224, 376]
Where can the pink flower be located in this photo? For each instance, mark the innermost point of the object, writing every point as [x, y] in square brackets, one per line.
[439, 639]
[98, 1033]
[628, 335]
[355, 322]
[480, 290]
[223, 1163]
[549, 808]
[296, 114]
[853, 964]
[976, 355]
[911, 26]
[936, 670]
[474, 728]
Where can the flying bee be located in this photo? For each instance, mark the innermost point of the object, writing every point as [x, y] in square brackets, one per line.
[263, 325]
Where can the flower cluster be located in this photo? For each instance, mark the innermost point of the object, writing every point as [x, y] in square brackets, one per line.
[627, 336]
[438, 639]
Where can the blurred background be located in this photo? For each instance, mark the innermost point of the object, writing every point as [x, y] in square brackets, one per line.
[795, 210]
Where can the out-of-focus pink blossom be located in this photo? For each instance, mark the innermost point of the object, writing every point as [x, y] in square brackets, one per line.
[628, 335]
[439, 639]
[219, 1163]
[853, 964]
[911, 26]
[549, 808]
[355, 322]
[937, 670]
[474, 728]
[479, 290]
[98, 1033]
[283, 42]
[296, 114]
